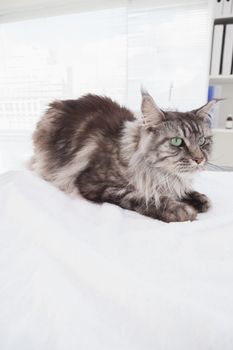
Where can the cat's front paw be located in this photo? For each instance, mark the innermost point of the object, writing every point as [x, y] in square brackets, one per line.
[199, 201]
[180, 212]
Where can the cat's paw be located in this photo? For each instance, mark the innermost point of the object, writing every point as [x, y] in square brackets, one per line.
[199, 201]
[180, 212]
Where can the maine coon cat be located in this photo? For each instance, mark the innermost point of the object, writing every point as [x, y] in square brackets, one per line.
[97, 148]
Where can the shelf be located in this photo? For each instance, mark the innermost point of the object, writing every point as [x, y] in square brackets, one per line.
[221, 79]
[221, 130]
[223, 17]
[223, 20]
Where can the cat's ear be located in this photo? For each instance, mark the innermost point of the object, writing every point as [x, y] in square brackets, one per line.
[152, 114]
[205, 111]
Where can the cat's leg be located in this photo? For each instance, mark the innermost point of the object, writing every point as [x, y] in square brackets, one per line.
[168, 210]
[171, 210]
[127, 197]
[198, 201]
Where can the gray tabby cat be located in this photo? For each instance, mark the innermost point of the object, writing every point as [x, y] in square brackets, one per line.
[99, 149]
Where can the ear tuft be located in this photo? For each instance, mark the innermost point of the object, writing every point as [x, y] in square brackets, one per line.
[205, 111]
[144, 92]
[152, 114]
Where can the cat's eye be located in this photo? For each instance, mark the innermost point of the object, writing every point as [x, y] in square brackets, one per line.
[201, 141]
[176, 141]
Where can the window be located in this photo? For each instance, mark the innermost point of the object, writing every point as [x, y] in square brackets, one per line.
[163, 46]
[59, 58]
[169, 43]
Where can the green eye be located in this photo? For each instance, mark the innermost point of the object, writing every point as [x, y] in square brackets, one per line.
[201, 141]
[176, 141]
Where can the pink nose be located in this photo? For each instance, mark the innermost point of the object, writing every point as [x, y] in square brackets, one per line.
[198, 160]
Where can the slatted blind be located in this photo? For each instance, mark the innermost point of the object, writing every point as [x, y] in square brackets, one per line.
[169, 44]
[107, 48]
[58, 58]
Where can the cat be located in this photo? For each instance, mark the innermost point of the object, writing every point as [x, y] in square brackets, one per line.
[94, 147]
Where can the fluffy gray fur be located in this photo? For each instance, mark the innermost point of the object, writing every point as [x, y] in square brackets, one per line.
[94, 147]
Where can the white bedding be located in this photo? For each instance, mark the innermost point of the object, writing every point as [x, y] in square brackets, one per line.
[79, 276]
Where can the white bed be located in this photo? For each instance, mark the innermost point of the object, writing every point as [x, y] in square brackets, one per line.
[80, 276]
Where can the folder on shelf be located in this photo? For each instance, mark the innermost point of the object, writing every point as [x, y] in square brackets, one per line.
[218, 8]
[216, 49]
[227, 7]
[228, 50]
[215, 91]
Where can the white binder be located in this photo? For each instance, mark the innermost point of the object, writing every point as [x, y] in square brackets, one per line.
[218, 8]
[216, 49]
[228, 50]
[227, 6]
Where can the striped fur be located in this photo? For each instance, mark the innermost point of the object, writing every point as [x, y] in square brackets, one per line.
[99, 149]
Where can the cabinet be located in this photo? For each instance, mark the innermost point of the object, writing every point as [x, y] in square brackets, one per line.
[222, 154]
[222, 88]
[223, 84]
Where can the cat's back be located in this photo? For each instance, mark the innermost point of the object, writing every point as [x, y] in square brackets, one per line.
[72, 125]
[77, 119]
[98, 112]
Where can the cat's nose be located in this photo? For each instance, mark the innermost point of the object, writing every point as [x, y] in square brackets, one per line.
[198, 160]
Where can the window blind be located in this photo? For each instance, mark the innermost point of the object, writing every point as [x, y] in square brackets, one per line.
[169, 43]
[162, 45]
[59, 58]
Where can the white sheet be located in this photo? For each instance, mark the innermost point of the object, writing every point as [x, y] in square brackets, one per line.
[80, 276]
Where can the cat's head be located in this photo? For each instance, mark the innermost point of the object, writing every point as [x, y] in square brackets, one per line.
[175, 141]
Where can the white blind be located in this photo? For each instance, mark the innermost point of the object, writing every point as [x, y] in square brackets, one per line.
[15, 10]
[111, 52]
[58, 58]
[169, 51]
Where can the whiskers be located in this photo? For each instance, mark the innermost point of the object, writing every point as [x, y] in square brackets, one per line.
[172, 183]
[164, 181]
[185, 167]
[213, 167]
